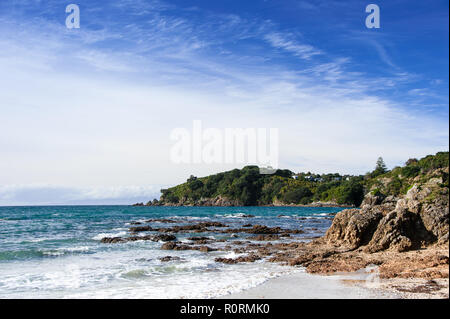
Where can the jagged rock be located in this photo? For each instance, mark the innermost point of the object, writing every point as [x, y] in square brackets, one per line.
[372, 199]
[435, 219]
[394, 223]
[401, 230]
[353, 227]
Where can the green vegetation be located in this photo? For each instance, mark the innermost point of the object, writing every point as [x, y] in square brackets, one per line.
[249, 187]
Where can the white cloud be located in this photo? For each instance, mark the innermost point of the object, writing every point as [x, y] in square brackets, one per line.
[281, 41]
[40, 194]
[87, 119]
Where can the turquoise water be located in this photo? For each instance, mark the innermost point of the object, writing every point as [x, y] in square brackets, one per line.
[55, 252]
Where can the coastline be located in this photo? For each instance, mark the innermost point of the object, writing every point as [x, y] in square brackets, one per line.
[361, 284]
[312, 205]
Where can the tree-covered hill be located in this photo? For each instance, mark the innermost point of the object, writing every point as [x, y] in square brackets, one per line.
[247, 187]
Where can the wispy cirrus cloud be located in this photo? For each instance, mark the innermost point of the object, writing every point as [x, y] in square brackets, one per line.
[283, 41]
[100, 101]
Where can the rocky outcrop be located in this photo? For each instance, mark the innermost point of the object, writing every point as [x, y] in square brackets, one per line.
[353, 227]
[218, 201]
[155, 238]
[178, 246]
[242, 259]
[417, 219]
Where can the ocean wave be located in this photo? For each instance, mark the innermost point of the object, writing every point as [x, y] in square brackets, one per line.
[65, 250]
[238, 215]
[111, 235]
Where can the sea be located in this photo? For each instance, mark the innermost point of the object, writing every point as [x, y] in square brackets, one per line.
[56, 251]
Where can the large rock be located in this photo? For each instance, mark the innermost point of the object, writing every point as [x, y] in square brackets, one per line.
[353, 227]
[435, 219]
[394, 232]
[431, 202]
[417, 219]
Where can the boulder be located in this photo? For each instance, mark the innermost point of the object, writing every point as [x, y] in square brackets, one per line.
[353, 227]
[140, 229]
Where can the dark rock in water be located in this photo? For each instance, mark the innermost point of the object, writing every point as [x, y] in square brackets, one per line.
[211, 224]
[138, 204]
[265, 237]
[198, 238]
[140, 229]
[138, 238]
[248, 216]
[201, 240]
[169, 246]
[259, 229]
[177, 246]
[155, 238]
[205, 249]
[292, 231]
[162, 220]
[199, 228]
[247, 225]
[135, 223]
[243, 259]
[164, 237]
[169, 258]
[112, 240]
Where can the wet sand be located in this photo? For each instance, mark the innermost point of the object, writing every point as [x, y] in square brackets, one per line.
[359, 285]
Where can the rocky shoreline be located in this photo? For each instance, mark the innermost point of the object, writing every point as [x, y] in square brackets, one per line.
[223, 202]
[400, 231]
[403, 237]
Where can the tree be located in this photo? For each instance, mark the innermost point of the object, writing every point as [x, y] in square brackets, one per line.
[191, 178]
[412, 161]
[300, 194]
[380, 168]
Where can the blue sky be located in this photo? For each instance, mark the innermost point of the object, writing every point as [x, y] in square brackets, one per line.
[86, 113]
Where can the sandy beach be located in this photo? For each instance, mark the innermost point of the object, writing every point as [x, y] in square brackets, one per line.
[357, 285]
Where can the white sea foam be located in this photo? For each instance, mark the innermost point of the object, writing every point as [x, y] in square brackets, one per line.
[119, 274]
[105, 235]
[237, 215]
[63, 250]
